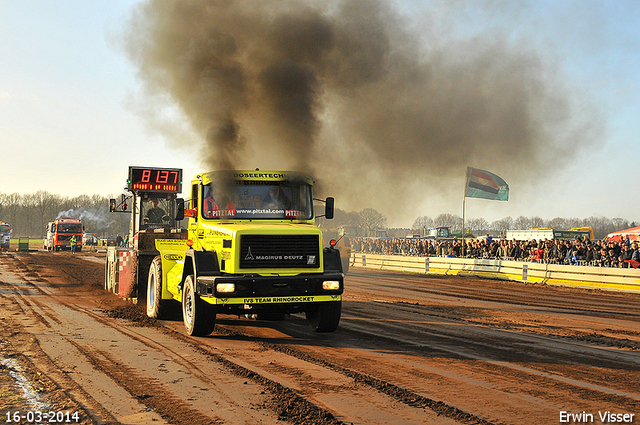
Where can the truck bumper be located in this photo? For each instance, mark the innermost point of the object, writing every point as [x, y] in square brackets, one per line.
[268, 292]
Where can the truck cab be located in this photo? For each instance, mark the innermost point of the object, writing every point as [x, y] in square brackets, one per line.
[252, 249]
[58, 234]
[152, 204]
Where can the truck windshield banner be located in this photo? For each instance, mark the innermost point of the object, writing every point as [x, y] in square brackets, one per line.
[279, 300]
[257, 200]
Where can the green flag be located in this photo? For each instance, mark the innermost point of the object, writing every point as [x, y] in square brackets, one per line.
[485, 185]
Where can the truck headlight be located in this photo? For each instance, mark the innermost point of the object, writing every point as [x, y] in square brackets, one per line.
[331, 285]
[225, 287]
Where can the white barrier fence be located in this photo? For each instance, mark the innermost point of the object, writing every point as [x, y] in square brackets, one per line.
[607, 278]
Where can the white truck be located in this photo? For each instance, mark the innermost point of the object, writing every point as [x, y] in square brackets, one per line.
[542, 233]
[5, 236]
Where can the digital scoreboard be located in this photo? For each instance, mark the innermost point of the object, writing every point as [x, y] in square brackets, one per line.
[158, 180]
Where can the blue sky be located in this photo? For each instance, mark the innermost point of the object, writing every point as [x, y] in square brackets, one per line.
[69, 123]
[64, 94]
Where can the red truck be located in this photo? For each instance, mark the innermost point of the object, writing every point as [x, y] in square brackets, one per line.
[59, 232]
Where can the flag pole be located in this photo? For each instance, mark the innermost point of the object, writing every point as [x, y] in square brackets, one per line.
[464, 197]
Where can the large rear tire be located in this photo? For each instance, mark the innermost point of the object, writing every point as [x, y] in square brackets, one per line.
[324, 317]
[157, 308]
[199, 316]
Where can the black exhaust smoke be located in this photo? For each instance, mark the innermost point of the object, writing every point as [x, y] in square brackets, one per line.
[343, 90]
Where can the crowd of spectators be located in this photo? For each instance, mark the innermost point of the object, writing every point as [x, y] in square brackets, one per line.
[555, 251]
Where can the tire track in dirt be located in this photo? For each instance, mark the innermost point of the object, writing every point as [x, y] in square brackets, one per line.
[60, 393]
[303, 401]
[286, 404]
[152, 394]
[291, 405]
[459, 351]
[607, 372]
[505, 363]
[166, 402]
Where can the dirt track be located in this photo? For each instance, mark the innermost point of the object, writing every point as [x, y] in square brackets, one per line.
[409, 350]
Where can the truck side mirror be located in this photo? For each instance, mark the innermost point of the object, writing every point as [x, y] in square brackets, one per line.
[179, 209]
[328, 208]
[112, 205]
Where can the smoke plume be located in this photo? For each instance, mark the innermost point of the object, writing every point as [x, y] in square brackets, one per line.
[351, 93]
[93, 218]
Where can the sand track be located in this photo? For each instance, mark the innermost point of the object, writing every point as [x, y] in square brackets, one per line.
[410, 349]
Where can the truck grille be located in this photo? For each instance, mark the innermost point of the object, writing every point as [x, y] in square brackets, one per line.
[279, 251]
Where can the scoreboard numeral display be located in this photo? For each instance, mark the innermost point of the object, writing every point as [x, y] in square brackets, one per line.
[147, 179]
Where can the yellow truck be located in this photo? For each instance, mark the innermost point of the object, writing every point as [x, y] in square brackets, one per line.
[252, 248]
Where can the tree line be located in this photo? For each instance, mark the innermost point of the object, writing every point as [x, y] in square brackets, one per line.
[28, 214]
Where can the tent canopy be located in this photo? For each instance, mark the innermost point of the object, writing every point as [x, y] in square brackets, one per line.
[633, 233]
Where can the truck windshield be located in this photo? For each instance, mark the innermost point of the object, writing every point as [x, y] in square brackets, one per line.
[257, 200]
[69, 228]
[155, 212]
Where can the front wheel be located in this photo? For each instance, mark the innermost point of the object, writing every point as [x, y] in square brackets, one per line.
[324, 317]
[199, 316]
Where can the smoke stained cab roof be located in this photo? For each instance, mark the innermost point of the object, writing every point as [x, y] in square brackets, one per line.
[254, 175]
[255, 194]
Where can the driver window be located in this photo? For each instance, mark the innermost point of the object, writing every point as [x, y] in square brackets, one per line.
[193, 202]
[155, 212]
